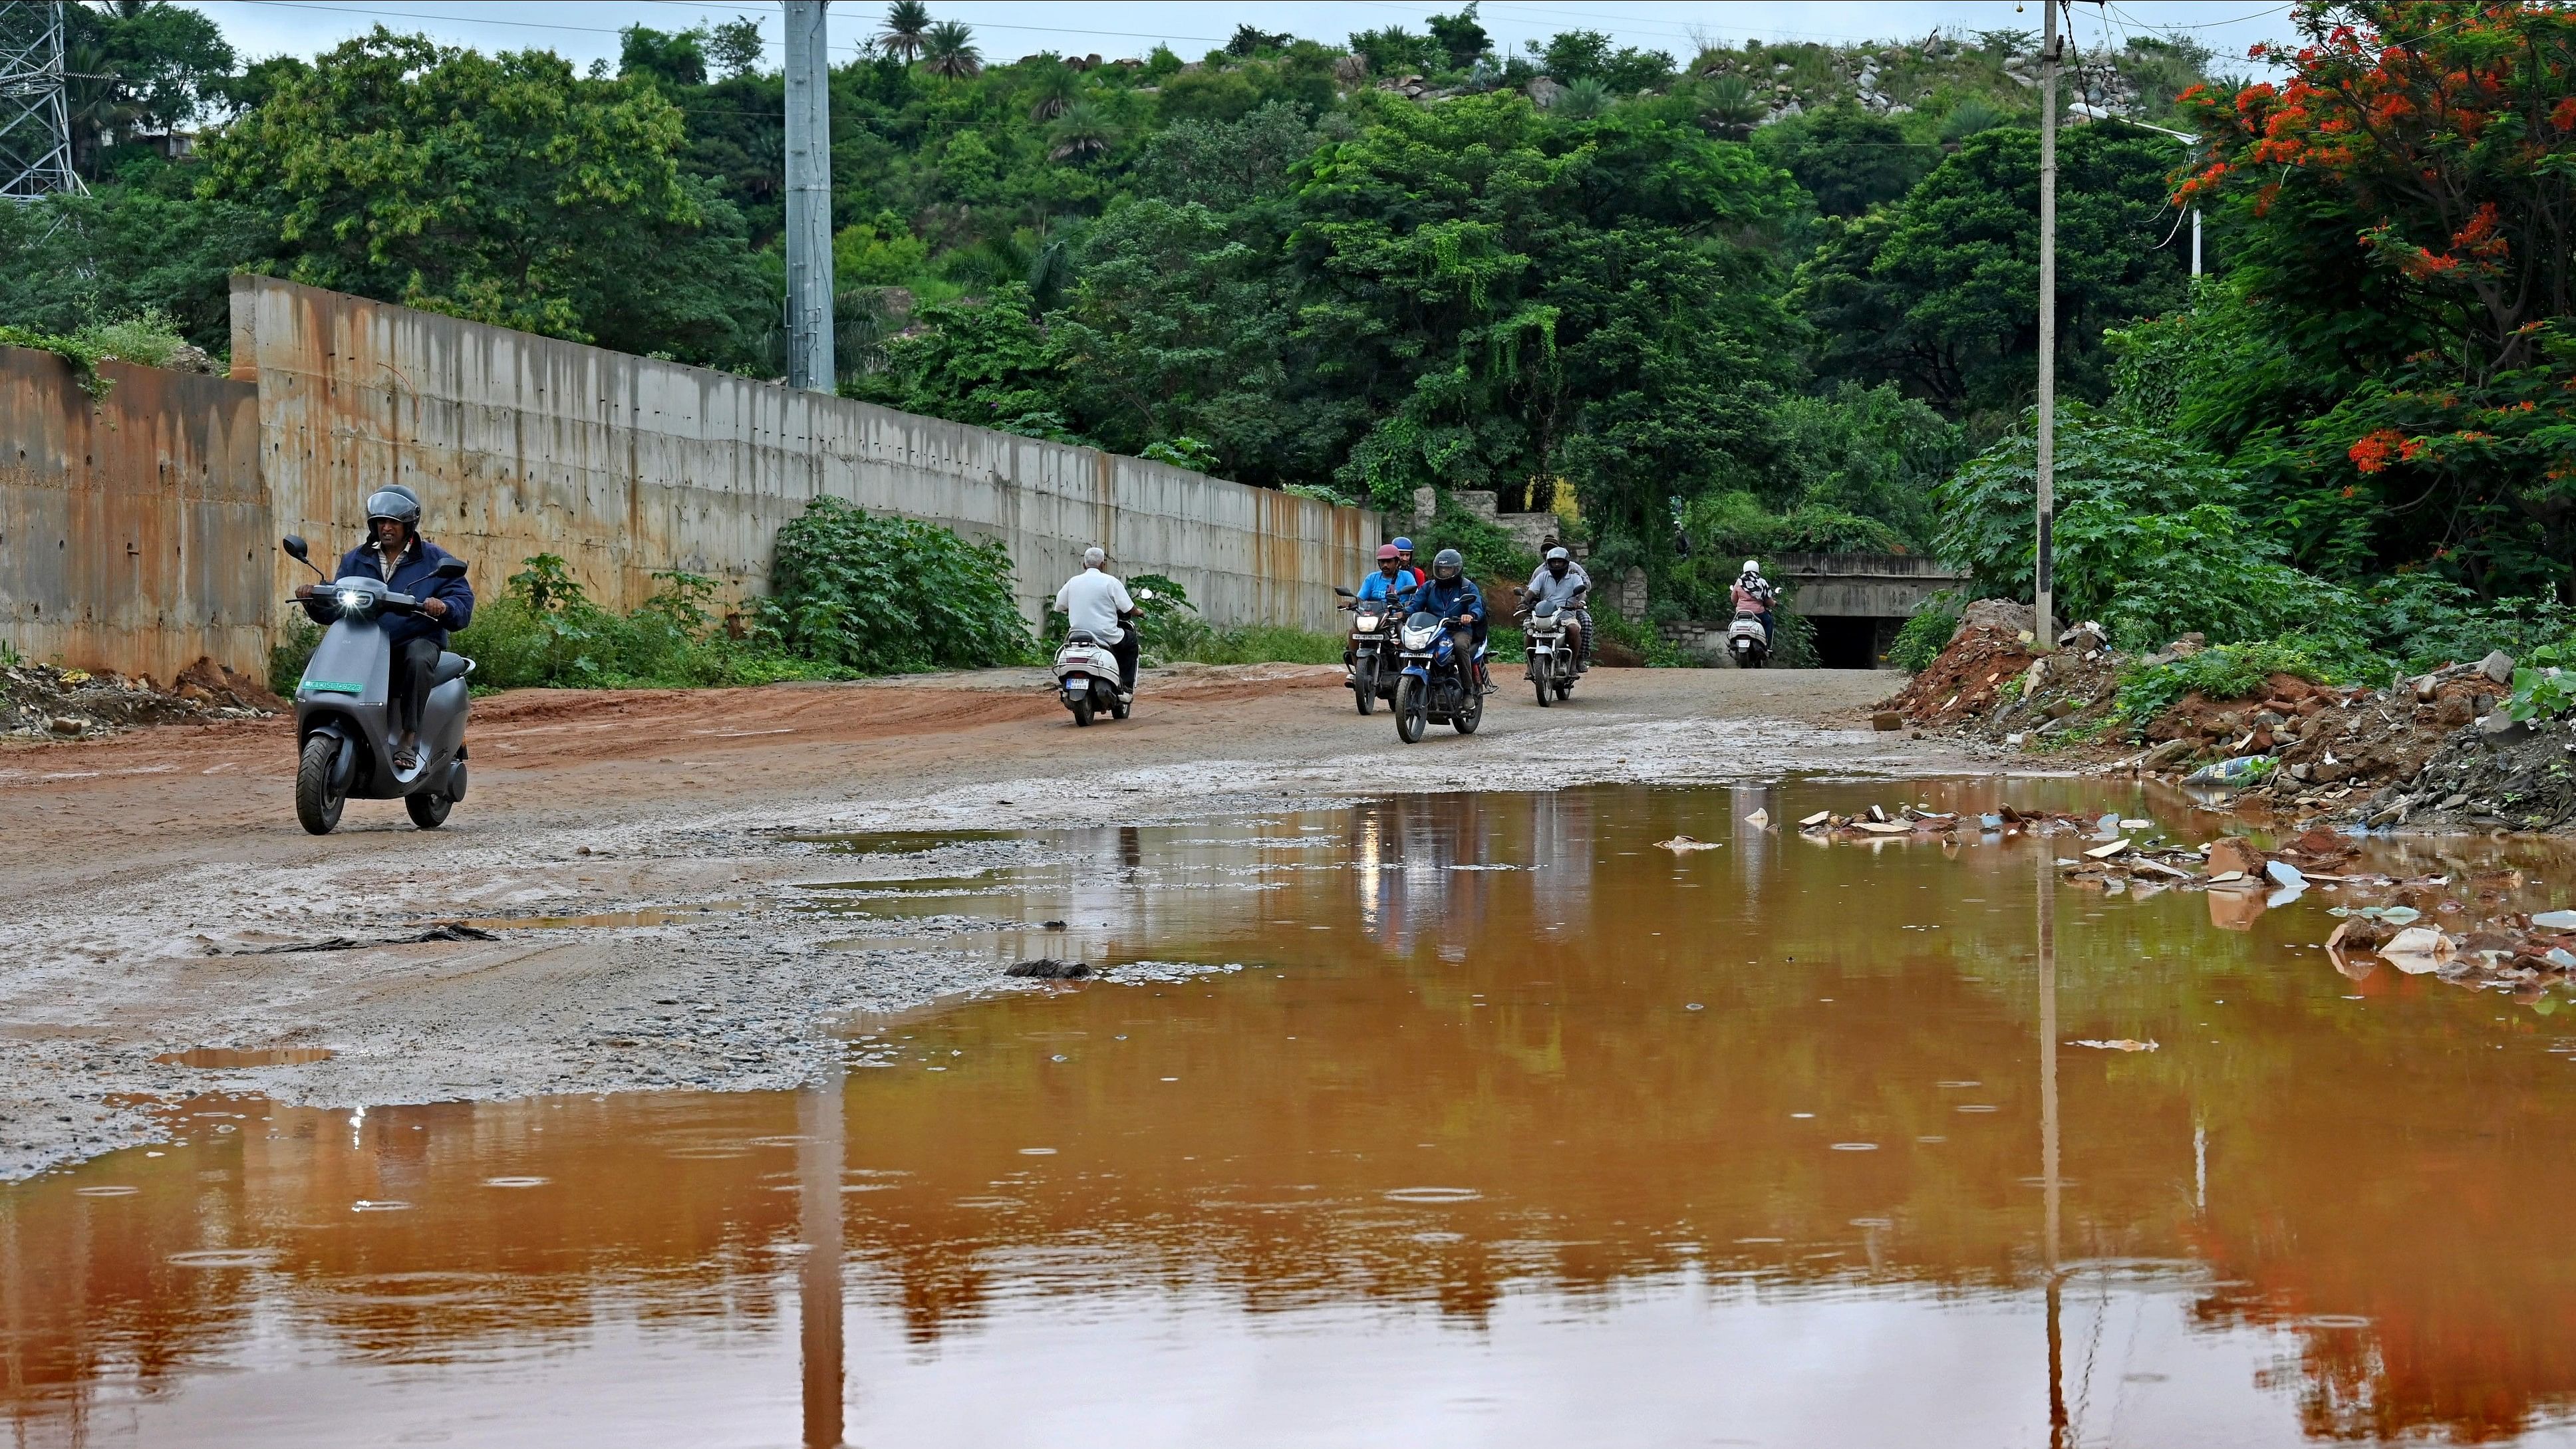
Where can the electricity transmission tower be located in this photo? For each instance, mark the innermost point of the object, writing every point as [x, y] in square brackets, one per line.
[35, 125]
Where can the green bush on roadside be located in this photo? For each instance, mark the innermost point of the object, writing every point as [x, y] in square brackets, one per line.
[1171, 631]
[885, 595]
[544, 632]
[2237, 671]
[1922, 637]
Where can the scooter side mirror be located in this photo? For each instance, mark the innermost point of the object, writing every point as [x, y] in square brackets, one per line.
[449, 568]
[1345, 593]
[294, 545]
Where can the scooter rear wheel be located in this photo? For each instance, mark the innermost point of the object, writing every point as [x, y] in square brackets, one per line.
[428, 811]
[317, 805]
[1082, 712]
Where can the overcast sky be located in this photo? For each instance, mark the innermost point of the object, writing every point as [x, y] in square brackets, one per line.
[1008, 29]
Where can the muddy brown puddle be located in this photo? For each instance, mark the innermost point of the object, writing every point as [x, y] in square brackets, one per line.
[1440, 1120]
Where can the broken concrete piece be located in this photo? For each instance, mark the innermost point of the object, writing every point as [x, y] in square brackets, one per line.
[2497, 666]
[1812, 821]
[1759, 819]
[2105, 852]
[1887, 719]
[2229, 854]
[1682, 844]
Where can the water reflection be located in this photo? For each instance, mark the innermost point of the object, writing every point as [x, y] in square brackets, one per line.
[1512, 1128]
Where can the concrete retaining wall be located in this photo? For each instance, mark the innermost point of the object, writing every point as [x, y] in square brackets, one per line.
[626, 465]
[134, 530]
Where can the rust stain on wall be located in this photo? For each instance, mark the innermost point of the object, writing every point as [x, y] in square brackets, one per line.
[135, 533]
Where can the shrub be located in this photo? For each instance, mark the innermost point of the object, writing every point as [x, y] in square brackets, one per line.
[287, 658]
[891, 595]
[2423, 621]
[543, 632]
[2236, 671]
[1170, 630]
[2544, 686]
[1923, 636]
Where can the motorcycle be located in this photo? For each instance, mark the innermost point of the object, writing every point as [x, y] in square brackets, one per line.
[1746, 641]
[1086, 674]
[344, 721]
[1371, 655]
[1435, 686]
[1551, 649]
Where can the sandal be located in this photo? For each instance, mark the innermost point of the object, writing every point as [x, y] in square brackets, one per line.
[407, 760]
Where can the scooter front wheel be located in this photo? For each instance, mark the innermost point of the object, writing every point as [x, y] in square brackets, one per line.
[317, 804]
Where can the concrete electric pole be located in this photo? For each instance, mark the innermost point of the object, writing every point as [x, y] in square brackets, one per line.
[2043, 616]
[35, 124]
[809, 198]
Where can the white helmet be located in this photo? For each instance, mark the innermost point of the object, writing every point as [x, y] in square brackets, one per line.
[1752, 566]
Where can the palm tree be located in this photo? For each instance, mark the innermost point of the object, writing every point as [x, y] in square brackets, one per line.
[1053, 92]
[1730, 109]
[949, 51]
[1083, 134]
[906, 22]
[1583, 100]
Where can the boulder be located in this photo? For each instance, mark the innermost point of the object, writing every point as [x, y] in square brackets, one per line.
[2497, 666]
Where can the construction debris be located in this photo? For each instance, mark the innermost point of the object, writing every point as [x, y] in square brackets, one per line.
[43, 701]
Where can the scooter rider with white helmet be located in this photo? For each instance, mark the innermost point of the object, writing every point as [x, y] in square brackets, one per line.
[1562, 582]
[1754, 595]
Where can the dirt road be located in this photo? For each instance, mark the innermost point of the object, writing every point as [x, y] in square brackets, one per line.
[147, 872]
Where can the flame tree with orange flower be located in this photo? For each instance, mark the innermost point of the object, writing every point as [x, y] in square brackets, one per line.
[2402, 211]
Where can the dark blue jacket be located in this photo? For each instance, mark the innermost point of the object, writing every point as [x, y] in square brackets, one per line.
[416, 575]
[1456, 597]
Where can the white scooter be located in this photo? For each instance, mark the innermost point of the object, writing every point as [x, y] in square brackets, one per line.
[1747, 643]
[1086, 674]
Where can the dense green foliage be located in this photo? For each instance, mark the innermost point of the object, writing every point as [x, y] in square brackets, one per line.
[1771, 298]
[544, 632]
[883, 595]
[1171, 631]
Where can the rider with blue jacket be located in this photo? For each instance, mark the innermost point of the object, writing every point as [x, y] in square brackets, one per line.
[408, 563]
[1454, 597]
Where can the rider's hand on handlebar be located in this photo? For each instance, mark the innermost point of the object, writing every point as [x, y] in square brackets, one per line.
[304, 591]
[435, 608]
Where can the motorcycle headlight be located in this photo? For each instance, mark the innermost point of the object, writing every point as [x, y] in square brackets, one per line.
[353, 600]
[1367, 623]
[1418, 638]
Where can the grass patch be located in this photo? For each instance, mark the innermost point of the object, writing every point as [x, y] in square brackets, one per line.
[2235, 671]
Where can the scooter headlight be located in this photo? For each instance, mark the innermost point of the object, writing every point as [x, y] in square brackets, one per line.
[353, 601]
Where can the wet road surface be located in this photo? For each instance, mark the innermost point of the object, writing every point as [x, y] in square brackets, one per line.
[1470, 1119]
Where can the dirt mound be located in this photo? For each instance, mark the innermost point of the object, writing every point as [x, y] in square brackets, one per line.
[2492, 775]
[40, 700]
[1990, 647]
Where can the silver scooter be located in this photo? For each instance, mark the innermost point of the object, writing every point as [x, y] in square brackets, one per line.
[1086, 674]
[344, 721]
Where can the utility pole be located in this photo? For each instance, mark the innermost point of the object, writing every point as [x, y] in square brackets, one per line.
[809, 198]
[2043, 617]
[35, 124]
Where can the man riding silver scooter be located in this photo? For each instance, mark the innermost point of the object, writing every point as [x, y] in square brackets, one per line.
[380, 711]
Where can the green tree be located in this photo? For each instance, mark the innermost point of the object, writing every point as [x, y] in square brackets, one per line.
[502, 188]
[139, 67]
[1848, 159]
[1935, 291]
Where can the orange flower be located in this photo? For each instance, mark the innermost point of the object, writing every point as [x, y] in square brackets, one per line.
[2374, 452]
[2563, 115]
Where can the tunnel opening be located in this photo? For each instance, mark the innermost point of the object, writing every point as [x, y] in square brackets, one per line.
[1853, 642]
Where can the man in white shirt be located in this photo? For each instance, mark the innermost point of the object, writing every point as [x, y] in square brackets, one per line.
[1094, 602]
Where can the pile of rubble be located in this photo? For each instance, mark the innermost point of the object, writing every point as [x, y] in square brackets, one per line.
[2433, 751]
[43, 701]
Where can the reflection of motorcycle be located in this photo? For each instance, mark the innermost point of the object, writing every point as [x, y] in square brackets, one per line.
[1371, 655]
[1436, 685]
[344, 721]
[1551, 649]
[1747, 642]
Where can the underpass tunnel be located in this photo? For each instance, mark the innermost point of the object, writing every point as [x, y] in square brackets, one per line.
[1854, 641]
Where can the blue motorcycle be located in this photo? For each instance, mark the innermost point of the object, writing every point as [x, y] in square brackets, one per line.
[1435, 685]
